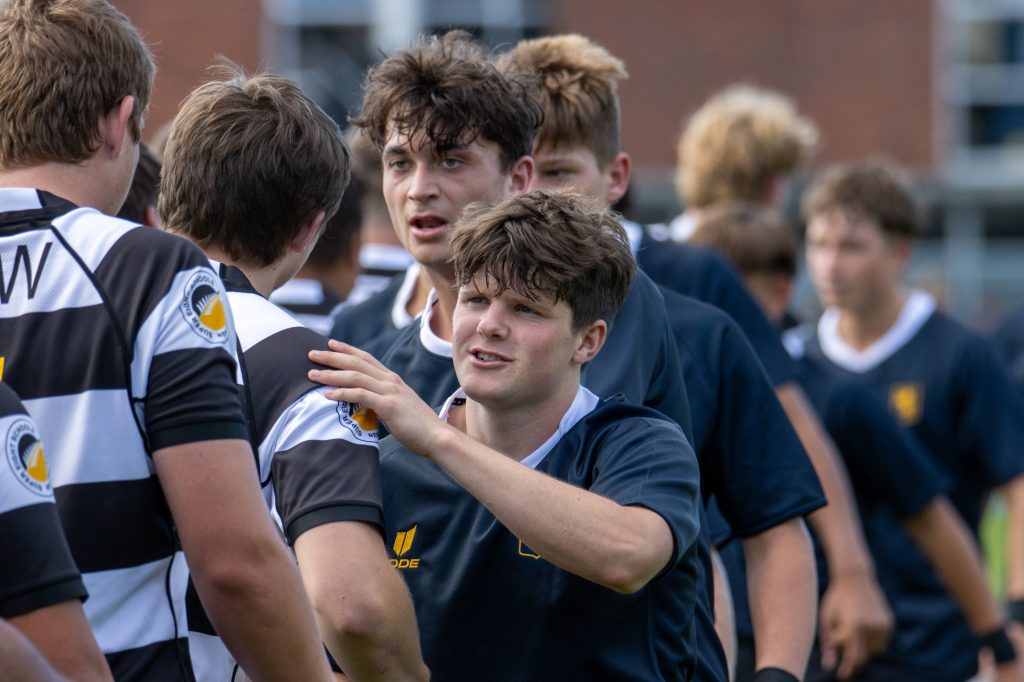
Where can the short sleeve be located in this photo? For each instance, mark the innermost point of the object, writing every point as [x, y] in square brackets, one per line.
[880, 455]
[38, 569]
[325, 464]
[648, 462]
[991, 422]
[756, 466]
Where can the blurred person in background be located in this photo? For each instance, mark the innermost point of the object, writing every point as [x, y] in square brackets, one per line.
[140, 204]
[894, 478]
[942, 382]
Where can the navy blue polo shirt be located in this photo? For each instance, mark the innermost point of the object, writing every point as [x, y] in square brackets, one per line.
[1009, 341]
[489, 607]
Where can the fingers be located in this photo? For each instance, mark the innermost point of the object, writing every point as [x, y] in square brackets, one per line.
[852, 658]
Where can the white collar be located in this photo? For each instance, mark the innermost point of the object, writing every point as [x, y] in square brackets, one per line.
[917, 309]
[298, 291]
[400, 316]
[683, 226]
[431, 341]
[18, 199]
[582, 405]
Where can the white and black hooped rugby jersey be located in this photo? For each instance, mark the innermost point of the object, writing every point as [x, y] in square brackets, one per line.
[119, 342]
[37, 569]
[317, 458]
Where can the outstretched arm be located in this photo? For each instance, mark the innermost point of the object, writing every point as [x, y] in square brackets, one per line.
[618, 547]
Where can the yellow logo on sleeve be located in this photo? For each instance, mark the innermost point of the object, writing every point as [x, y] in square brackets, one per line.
[1, 367]
[26, 457]
[525, 551]
[402, 545]
[906, 401]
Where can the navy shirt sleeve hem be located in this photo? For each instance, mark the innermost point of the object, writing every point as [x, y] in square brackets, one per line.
[347, 512]
[778, 519]
[195, 433]
[54, 593]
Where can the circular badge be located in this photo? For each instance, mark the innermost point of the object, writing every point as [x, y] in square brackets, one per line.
[203, 307]
[26, 457]
[361, 421]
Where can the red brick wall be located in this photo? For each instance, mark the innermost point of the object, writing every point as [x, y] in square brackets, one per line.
[186, 36]
[862, 70]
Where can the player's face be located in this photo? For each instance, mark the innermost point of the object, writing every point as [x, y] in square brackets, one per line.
[426, 190]
[578, 169]
[512, 351]
[853, 264]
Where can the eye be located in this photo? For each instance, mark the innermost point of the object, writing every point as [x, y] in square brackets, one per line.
[556, 173]
[450, 162]
[523, 308]
[399, 165]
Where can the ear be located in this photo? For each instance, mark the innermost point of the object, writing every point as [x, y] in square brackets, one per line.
[521, 174]
[618, 177]
[114, 124]
[903, 247]
[309, 233]
[591, 340]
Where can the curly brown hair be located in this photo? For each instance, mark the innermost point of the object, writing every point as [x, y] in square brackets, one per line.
[875, 189]
[548, 244]
[447, 88]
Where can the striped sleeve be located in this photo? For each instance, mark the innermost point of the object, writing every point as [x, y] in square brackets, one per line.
[37, 570]
[181, 335]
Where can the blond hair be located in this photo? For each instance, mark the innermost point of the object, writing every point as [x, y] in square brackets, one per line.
[737, 143]
[65, 65]
[578, 81]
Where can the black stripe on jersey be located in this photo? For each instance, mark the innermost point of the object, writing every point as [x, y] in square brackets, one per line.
[9, 403]
[159, 257]
[277, 368]
[313, 476]
[175, 415]
[49, 362]
[198, 621]
[32, 219]
[159, 662]
[116, 524]
[382, 272]
[37, 569]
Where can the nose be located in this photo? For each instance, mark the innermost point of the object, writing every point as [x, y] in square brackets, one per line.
[422, 185]
[492, 323]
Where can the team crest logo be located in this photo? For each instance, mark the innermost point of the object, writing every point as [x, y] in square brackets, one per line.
[203, 308]
[360, 420]
[26, 458]
[906, 401]
[402, 545]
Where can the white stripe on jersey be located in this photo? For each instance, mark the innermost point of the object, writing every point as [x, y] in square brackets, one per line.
[91, 233]
[17, 487]
[211, 660]
[18, 199]
[120, 623]
[59, 284]
[313, 417]
[256, 320]
[84, 449]
[155, 337]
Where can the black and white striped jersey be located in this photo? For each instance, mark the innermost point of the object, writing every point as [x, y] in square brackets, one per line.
[119, 342]
[317, 458]
[37, 569]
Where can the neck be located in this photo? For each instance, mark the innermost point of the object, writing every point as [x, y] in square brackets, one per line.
[78, 183]
[861, 328]
[517, 432]
[444, 285]
[264, 280]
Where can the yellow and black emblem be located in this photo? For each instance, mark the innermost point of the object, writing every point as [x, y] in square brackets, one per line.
[402, 545]
[26, 457]
[203, 307]
[906, 401]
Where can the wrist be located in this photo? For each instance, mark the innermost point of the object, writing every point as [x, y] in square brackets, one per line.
[999, 643]
[774, 675]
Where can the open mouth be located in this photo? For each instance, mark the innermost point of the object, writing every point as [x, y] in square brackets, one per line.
[482, 357]
[427, 227]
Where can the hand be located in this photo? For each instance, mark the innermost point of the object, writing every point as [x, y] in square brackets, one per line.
[360, 378]
[855, 623]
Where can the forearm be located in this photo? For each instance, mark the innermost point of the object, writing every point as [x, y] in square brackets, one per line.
[261, 612]
[1013, 492]
[725, 614]
[837, 525]
[586, 534]
[19, 660]
[386, 646]
[782, 583]
[946, 542]
[62, 634]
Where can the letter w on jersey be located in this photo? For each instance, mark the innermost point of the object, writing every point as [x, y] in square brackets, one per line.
[22, 261]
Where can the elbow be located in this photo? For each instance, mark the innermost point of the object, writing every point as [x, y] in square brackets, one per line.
[354, 617]
[629, 572]
[240, 571]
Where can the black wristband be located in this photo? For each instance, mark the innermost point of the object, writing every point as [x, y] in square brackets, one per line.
[1015, 611]
[1001, 646]
[774, 675]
